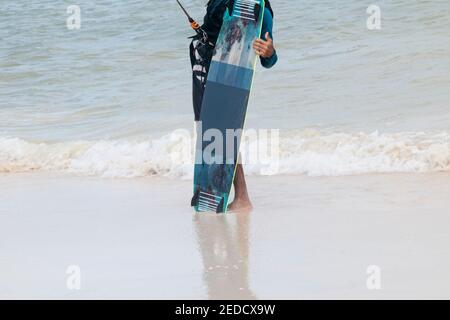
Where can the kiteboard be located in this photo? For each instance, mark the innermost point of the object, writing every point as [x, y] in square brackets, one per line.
[224, 105]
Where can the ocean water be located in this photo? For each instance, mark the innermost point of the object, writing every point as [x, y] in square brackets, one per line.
[104, 100]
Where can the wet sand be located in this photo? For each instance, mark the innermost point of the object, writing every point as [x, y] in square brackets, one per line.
[306, 238]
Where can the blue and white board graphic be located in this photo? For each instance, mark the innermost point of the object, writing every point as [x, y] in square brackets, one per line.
[224, 104]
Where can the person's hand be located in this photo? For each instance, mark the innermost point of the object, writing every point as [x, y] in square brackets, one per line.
[263, 48]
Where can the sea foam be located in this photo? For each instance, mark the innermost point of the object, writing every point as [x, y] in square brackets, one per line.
[309, 152]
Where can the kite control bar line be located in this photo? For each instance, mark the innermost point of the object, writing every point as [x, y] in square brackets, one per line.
[194, 24]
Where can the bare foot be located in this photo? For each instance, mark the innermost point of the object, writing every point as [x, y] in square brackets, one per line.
[240, 205]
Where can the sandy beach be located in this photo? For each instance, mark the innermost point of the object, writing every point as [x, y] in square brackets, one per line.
[308, 237]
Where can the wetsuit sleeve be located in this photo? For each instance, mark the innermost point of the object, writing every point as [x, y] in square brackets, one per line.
[268, 27]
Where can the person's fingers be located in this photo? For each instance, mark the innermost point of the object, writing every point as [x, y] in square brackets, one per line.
[259, 45]
[259, 41]
[260, 49]
[257, 49]
[262, 43]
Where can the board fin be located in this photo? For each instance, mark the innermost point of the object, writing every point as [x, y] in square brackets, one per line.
[257, 11]
[194, 200]
[220, 207]
[230, 7]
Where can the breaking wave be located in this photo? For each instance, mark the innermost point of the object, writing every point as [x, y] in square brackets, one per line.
[309, 152]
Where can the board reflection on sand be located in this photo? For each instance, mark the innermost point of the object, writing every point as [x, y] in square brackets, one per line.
[223, 242]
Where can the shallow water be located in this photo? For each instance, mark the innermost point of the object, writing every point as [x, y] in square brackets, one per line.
[101, 100]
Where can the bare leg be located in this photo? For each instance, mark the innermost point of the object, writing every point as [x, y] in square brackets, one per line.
[241, 200]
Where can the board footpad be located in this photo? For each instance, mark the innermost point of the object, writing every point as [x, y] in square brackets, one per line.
[245, 9]
[209, 202]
